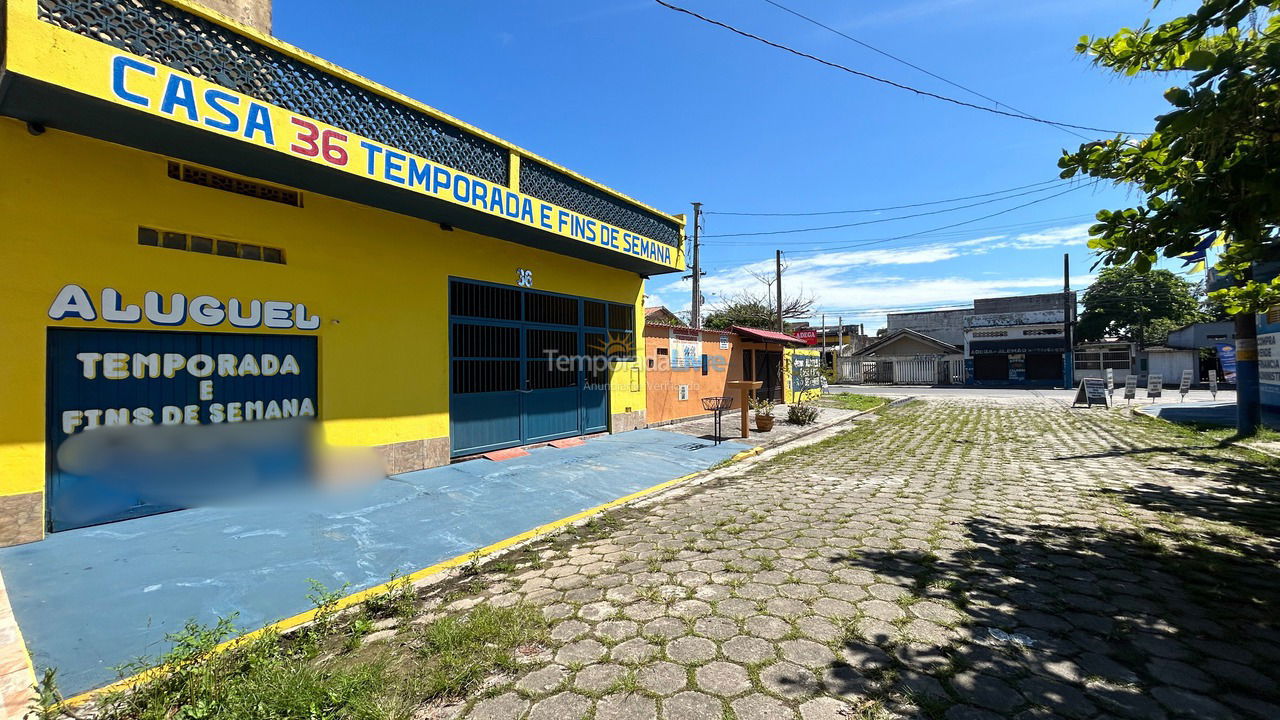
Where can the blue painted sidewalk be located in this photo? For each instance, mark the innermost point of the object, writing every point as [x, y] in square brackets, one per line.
[90, 600]
[1205, 413]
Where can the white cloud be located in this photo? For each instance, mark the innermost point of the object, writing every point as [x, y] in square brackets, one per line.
[841, 281]
[895, 256]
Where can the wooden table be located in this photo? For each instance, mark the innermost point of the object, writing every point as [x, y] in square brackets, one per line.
[744, 388]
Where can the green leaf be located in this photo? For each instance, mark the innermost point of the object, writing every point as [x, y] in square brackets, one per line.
[1199, 60]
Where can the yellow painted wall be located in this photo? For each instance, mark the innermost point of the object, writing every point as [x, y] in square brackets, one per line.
[71, 207]
[43, 51]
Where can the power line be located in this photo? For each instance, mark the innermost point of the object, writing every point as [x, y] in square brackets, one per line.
[877, 221]
[895, 58]
[882, 209]
[891, 83]
[929, 236]
[947, 227]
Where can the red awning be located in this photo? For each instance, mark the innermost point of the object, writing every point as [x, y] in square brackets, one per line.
[766, 335]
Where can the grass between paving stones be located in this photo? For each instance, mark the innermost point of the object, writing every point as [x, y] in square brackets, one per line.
[325, 670]
[322, 671]
[850, 401]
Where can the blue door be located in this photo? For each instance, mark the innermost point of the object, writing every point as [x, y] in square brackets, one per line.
[528, 366]
[118, 401]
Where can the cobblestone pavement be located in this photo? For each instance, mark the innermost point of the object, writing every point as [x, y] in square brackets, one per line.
[958, 559]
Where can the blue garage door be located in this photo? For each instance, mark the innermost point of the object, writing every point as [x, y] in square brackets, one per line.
[119, 401]
[529, 366]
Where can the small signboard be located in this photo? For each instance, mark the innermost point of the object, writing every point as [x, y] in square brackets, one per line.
[1091, 391]
[1111, 382]
[806, 372]
[1227, 357]
[724, 342]
[1130, 387]
[1185, 385]
[1155, 383]
[1213, 383]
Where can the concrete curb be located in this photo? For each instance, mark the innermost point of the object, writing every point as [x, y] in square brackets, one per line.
[17, 676]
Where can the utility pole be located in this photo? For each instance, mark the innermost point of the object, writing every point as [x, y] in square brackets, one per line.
[778, 280]
[824, 339]
[695, 312]
[1248, 384]
[1068, 359]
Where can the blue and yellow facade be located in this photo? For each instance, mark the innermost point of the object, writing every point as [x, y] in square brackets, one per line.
[167, 171]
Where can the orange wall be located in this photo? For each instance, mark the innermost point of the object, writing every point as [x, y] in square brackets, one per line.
[662, 391]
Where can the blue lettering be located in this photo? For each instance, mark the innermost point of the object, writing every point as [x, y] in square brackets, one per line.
[419, 174]
[526, 210]
[179, 93]
[394, 164]
[591, 230]
[118, 67]
[562, 219]
[628, 245]
[544, 215]
[214, 99]
[374, 151]
[513, 205]
[259, 120]
[495, 201]
[479, 193]
[462, 189]
[441, 179]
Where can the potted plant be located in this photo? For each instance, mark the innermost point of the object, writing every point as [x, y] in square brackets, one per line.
[763, 408]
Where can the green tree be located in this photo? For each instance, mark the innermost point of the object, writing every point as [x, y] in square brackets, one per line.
[1210, 171]
[1141, 307]
[755, 310]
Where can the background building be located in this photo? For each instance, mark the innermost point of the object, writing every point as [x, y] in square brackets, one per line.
[1019, 340]
[946, 326]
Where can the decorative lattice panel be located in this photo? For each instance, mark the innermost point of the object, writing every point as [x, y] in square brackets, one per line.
[555, 187]
[182, 41]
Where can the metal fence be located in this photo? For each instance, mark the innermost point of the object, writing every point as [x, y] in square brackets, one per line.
[947, 370]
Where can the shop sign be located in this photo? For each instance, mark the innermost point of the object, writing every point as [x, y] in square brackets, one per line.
[105, 378]
[685, 348]
[808, 335]
[196, 102]
[1269, 361]
[1155, 385]
[806, 372]
[142, 421]
[73, 301]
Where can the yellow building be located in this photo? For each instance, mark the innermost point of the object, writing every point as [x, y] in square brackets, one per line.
[204, 225]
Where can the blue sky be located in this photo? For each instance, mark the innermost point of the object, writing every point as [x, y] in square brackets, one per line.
[671, 110]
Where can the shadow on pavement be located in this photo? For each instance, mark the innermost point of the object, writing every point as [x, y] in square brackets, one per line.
[1145, 621]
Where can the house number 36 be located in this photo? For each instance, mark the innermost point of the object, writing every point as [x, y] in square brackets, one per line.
[524, 278]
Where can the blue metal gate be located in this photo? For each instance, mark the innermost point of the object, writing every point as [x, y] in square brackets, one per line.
[529, 366]
[108, 390]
